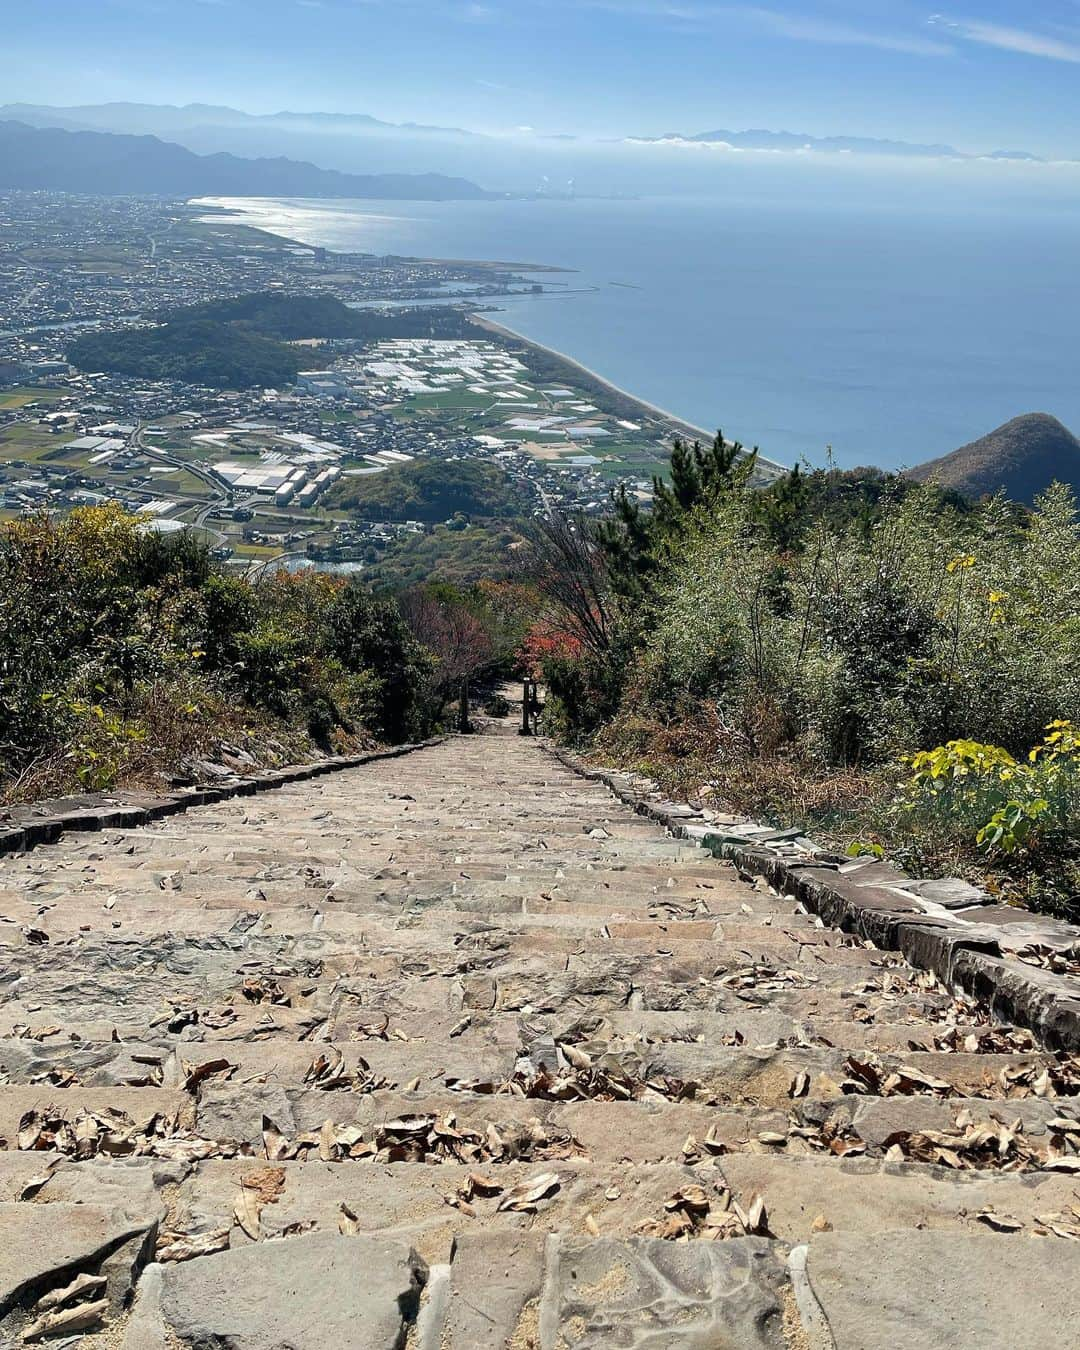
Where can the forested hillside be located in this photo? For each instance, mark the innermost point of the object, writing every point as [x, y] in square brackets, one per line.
[198, 351]
[1021, 459]
[431, 490]
[290, 317]
[243, 342]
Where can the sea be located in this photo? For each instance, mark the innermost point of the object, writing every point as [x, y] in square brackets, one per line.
[845, 334]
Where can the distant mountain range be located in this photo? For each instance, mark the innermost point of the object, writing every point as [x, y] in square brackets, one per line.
[105, 163]
[196, 124]
[1023, 457]
[169, 120]
[792, 141]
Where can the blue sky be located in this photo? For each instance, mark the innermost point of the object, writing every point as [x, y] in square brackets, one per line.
[979, 75]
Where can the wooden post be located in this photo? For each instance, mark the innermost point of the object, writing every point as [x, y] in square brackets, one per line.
[526, 691]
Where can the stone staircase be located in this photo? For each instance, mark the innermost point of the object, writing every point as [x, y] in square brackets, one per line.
[454, 1050]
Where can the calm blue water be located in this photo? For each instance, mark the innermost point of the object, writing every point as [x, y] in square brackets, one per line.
[892, 337]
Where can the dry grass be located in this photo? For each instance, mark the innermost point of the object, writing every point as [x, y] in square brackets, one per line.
[698, 759]
[175, 727]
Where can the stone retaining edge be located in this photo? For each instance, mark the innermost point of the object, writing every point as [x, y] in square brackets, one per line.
[966, 955]
[113, 814]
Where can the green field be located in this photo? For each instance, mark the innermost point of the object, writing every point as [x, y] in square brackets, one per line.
[99, 259]
[26, 440]
[180, 481]
[616, 469]
[13, 399]
[451, 400]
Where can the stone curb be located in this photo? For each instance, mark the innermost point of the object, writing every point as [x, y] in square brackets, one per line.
[110, 812]
[948, 927]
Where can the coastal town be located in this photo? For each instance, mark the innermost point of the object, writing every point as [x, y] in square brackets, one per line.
[262, 472]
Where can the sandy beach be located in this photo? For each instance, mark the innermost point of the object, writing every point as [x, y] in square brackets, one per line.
[680, 423]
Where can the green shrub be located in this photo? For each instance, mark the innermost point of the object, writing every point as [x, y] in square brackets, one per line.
[1004, 804]
[121, 652]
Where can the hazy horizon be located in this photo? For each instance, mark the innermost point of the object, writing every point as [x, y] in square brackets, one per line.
[985, 76]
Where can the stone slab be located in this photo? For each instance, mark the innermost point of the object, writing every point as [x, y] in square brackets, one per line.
[944, 1291]
[303, 1293]
[647, 1294]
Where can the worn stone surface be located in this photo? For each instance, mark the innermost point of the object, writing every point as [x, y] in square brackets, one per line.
[306, 1293]
[941, 1291]
[44, 1247]
[468, 1004]
[651, 1293]
[946, 926]
[494, 1295]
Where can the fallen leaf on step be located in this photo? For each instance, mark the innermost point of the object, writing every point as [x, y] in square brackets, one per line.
[274, 1142]
[755, 1219]
[1000, 1223]
[691, 1198]
[266, 1182]
[194, 1074]
[185, 1247]
[78, 1288]
[79, 1318]
[246, 1212]
[525, 1196]
[478, 1184]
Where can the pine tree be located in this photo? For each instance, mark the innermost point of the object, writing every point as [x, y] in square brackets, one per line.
[632, 543]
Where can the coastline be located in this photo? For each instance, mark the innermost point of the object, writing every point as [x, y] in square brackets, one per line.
[772, 467]
[651, 409]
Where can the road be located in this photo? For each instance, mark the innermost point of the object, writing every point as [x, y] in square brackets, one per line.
[218, 485]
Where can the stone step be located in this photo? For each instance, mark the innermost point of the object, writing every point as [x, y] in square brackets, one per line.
[809, 1194]
[495, 1056]
[430, 1207]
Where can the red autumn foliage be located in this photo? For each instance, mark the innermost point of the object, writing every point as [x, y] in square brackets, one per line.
[544, 642]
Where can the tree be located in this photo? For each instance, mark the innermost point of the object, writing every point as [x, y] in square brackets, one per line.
[634, 543]
[564, 559]
[456, 637]
[782, 510]
[373, 635]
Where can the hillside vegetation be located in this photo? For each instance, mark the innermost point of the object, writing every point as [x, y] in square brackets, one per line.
[1021, 459]
[430, 490]
[126, 656]
[444, 554]
[290, 317]
[242, 343]
[898, 673]
[198, 351]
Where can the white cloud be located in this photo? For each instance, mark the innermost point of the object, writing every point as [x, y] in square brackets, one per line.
[798, 27]
[1011, 39]
[845, 35]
